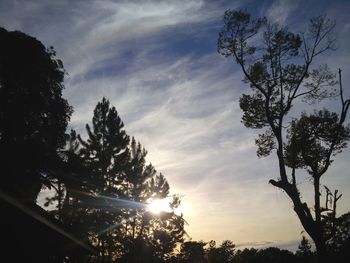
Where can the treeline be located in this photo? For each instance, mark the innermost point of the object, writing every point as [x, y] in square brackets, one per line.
[226, 252]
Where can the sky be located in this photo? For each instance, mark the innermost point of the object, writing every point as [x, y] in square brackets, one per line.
[157, 63]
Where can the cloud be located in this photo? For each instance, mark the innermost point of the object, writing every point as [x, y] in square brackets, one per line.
[256, 244]
[280, 10]
[156, 61]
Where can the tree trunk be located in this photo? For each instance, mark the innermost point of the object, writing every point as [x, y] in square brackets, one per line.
[59, 201]
[133, 227]
[317, 199]
[312, 227]
[321, 250]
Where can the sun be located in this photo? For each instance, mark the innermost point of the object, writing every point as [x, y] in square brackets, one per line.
[157, 206]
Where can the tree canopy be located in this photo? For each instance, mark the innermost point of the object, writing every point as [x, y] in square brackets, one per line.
[280, 68]
[106, 190]
[100, 185]
[33, 113]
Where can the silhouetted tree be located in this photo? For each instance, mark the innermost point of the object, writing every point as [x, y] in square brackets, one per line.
[33, 114]
[105, 155]
[101, 184]
[329, 219]
[222, 254]
[159, 233]
[192, 251]
[304, 253]
[106, 188]
[246, 255]
[279, 71]
[275, 255]
[33, 121]
[75, 205]
[70, 179]
[339, 242]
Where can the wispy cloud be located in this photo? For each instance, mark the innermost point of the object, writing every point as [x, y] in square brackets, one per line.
[255, 244]
[157, 63]
[280, 10]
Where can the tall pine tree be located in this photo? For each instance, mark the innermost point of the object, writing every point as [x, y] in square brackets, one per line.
[104, 153]
[106, 188]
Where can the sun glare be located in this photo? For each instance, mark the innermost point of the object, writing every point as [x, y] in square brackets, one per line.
[158, 205]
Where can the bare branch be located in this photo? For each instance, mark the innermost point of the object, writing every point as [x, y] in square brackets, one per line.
[341, 87]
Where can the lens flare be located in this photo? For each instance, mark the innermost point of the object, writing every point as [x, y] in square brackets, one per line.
[157, 206]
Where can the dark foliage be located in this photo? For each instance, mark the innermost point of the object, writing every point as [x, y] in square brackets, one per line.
[33, 114]
[106, 188]
[100, 186]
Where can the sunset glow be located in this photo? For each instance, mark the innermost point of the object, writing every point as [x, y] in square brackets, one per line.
[157, 206]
